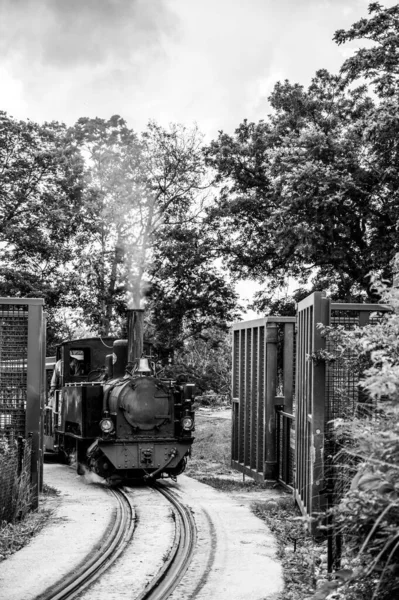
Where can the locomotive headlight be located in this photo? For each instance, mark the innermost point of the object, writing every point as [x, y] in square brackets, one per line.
[106, 425]
[187, 423]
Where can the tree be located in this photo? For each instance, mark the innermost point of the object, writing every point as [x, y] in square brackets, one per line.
[42, 212]
[206, 361]
[143, 186]
[378, 63]
[311, 192]
[188, 295]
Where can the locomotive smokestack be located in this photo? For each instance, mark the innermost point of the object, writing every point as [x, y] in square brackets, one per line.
[135, 321]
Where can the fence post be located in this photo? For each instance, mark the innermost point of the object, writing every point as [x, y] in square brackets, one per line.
[321, 315]
[34, 399]
[270, 465]
[288, 366]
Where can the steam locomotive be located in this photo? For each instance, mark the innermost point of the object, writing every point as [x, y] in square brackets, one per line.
[114, 411]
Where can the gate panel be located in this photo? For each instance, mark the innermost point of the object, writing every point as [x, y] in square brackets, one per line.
[310, 395]
[254, 384]
[22, 377]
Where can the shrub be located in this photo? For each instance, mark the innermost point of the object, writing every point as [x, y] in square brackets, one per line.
[15, 488]
[368, 514]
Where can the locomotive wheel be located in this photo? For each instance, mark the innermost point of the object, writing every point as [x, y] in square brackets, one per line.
[179, 468]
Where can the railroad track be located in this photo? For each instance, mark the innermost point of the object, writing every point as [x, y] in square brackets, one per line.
[118, 538]
[166, 579]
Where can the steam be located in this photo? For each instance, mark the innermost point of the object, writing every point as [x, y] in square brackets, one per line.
[91, 478]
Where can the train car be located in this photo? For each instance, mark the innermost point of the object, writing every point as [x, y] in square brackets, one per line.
[114, 411]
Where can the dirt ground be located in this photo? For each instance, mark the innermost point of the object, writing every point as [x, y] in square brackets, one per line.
[211, 460]
[303, 559]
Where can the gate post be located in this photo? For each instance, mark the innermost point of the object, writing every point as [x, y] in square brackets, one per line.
[270, 464]
[34, 393]
[288, 366]
[318, 397]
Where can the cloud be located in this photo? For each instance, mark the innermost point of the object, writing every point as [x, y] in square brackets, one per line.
[213, 62]
[70, 33]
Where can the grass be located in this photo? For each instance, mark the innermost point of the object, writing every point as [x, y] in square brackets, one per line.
[233, 485]
[211, 449]
[303, 558]
[16, 535]
[211, 459]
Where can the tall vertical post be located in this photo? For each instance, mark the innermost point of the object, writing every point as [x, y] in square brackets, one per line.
[318, 394]
[270, 465]
[35, 397]
[288, 366]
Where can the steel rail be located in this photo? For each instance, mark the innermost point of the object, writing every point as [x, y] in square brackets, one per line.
[169, 577]
[103, 558]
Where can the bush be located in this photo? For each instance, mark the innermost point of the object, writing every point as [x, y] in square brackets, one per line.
[15, 488]
[368, 514]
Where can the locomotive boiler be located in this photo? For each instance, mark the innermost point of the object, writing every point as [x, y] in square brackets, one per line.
[116, 412]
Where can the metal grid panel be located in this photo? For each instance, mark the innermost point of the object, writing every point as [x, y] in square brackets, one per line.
[285, 448]
[344, 399]
[13, 367]
[341, 381]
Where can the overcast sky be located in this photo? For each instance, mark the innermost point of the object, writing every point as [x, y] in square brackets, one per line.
[213, 62]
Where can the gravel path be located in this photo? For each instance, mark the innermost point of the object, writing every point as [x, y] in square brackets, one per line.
[82, 515]
[235, 555]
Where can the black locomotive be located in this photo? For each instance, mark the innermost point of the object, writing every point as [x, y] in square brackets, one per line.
[115, 412]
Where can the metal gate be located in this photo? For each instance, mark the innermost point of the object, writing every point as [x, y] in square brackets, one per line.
[319, 398]
[22, 360]
[262, 379]
[309, 413]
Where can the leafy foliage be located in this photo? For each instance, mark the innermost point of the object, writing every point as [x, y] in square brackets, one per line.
[188, 295]
[42, 212]
[378, 63]
[311, 192]
[206, 361]
[369, 513]
[144, 186]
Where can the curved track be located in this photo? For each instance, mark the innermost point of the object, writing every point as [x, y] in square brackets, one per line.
[168, 578]
[106, 555]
